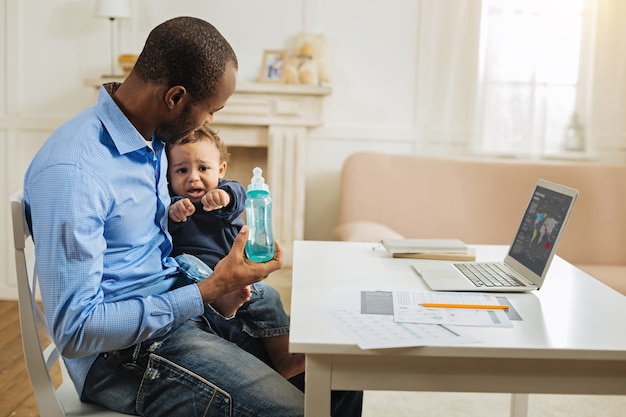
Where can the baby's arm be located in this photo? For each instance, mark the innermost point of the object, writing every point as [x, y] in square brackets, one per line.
[181, 209]
[215, 199]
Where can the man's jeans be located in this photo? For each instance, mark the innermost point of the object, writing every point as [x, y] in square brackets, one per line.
[192, 372]
[206, 367]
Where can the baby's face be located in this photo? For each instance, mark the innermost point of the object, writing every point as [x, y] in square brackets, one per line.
[195, 168]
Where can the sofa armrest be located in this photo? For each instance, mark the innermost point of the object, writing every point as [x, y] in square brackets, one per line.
[612, 275]
[359, 231]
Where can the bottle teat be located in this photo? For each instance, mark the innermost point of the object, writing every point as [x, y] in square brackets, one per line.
[257, 182]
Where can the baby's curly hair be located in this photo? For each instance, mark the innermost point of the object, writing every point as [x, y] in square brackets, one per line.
[186, 51]
[204, 132]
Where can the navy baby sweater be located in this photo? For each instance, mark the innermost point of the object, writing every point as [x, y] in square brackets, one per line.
[209, 235]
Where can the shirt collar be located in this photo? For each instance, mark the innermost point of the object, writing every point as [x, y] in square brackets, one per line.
[123, 134]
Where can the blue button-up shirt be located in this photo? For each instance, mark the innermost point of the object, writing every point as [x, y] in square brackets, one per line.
[96, 199]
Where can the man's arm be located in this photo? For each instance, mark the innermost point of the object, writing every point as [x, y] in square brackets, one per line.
[100, 265]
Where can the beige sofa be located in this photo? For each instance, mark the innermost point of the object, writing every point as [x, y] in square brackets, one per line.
[481, 201]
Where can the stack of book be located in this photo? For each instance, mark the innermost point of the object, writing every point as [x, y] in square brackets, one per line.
[439, 249]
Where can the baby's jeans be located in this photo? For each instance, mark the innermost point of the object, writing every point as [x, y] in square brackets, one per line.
[262, 316]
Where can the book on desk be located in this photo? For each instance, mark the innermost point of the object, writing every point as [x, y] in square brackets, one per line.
[435, 249]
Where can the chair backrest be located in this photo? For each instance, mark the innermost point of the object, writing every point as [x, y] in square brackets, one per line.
[40, 359]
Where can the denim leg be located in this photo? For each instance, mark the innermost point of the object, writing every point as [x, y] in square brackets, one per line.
[263, 316]
[234, 331]
[194, 268]
[190, 372]
[343, 403]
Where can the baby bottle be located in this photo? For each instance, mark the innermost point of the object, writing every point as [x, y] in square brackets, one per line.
[260, 244]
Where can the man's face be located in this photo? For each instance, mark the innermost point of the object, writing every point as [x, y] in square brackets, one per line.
[192, 116]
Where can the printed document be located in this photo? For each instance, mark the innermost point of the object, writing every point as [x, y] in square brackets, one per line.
[367, 318]
[408, 308]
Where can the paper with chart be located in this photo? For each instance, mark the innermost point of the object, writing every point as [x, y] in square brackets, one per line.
[408, 308]
[379, 331]
[367, 318]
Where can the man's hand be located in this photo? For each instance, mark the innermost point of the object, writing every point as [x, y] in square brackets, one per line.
[181, 209]
[235, 272]
[215, 199]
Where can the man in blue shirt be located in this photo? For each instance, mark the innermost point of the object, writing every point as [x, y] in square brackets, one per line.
[122, 314]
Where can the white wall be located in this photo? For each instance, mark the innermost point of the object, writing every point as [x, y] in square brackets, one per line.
[49, 47]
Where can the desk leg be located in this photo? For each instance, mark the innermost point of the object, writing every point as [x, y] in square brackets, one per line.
[317, 386]
[519, 405]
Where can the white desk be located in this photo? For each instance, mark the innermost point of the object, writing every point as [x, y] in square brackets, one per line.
[572, 339]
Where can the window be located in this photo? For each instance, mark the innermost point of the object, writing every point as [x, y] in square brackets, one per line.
[529, 83]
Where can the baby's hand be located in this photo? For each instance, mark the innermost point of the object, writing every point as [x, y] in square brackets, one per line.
[181, 209]
[215, 199]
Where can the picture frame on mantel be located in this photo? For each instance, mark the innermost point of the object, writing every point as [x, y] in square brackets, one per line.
[273, 66]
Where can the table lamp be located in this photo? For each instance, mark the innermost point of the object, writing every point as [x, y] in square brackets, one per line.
[113, 9]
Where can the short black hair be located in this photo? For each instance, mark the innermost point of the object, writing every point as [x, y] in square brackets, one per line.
[186, 51]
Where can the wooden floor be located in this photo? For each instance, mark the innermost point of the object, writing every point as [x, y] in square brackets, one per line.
[17, 398]
[17, 394]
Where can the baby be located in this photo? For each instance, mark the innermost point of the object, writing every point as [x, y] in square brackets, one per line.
[205, 216]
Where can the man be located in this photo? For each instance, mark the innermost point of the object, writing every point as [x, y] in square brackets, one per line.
[123, 315]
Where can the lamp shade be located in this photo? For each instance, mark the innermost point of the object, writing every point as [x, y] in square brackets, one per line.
[113, 8]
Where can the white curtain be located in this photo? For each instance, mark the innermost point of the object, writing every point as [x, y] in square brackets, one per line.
[606, 101]
[528, 78]
[464, 108]
[447, 73]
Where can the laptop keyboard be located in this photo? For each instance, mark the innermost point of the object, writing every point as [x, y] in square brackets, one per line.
[489, 275]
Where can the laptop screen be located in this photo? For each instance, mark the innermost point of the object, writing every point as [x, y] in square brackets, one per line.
[539, 230]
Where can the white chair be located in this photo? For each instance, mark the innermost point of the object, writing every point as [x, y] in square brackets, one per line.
[39, 358]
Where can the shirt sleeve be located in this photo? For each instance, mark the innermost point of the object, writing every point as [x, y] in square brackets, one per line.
[232, 213]
[89, 310]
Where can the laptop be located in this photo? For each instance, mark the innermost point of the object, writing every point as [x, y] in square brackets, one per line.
[525, 266]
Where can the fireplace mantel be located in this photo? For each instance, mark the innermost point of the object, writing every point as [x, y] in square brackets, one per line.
[275, 118]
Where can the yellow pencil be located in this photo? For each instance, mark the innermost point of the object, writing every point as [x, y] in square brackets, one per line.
[480, 306]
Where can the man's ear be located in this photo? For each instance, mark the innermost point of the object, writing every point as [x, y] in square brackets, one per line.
[175, 96]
